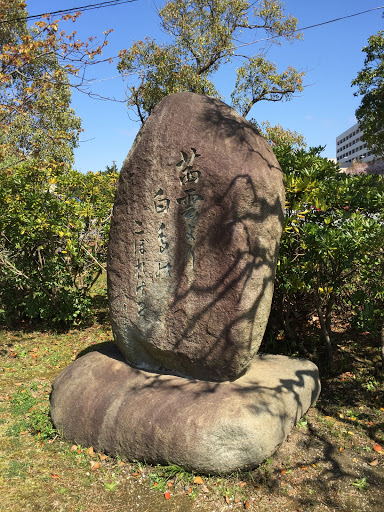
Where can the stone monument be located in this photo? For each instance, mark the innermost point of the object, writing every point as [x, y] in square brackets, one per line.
[193, 247]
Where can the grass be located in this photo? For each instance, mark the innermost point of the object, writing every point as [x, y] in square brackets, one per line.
[331, 461]
[361, 484]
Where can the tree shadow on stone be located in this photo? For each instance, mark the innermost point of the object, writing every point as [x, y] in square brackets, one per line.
[104, 402]
[236, 272]
[234, 127]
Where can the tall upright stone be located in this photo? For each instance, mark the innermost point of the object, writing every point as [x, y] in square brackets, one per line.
[194, 241]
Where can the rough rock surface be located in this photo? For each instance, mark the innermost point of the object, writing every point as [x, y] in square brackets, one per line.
[194, 241]
[211, 427]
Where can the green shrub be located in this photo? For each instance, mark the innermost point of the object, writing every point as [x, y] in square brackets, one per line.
[333, 241]
[54, 226]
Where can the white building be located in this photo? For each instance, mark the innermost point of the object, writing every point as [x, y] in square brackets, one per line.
[350, 147]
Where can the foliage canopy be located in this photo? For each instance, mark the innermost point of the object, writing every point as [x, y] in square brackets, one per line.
[36, 120]
[53, 220]
[53, 237]
[202, 36]
[370, 83]
[332, 248]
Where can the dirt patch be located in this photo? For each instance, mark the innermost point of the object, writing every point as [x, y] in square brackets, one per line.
[317, 472]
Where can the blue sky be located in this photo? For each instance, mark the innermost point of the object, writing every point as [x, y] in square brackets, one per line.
[330, 55]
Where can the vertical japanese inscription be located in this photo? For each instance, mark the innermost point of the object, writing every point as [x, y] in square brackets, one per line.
[140, 274]
[189, 176]
[189, 203]
[163, 266]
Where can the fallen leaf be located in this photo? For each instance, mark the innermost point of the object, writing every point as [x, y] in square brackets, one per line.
[136, 474]
[354, 459]
[73, 448]
[167, 495]
[91, 451]
[227, 500]
[243, 484]
[155, 484]
[169, 484]
[121, 463]
[237, 500]
[18, 383]
[94, 465]
[378, 448]
[102, 456]
[204, 489]
[283, 471]
[304, 468]
[246, 504]
[341, 449]
[198, 480]
[374, 462]
[53, 475]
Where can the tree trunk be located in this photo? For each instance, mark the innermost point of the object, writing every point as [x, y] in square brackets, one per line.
[328, 312]
[325, 333]
[382, 344]
[286, 321]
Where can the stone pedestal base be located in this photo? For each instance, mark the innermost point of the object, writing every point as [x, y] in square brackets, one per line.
[207, 427]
